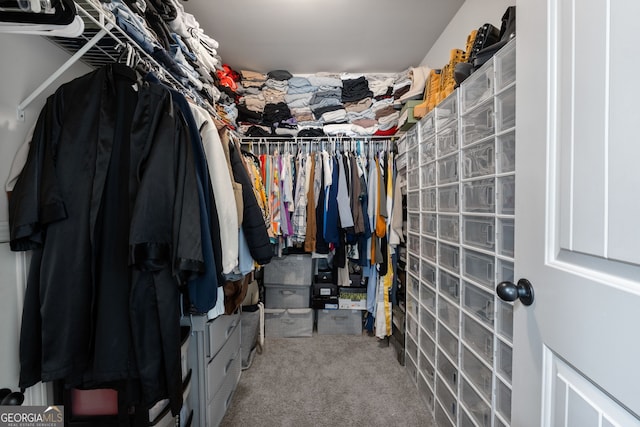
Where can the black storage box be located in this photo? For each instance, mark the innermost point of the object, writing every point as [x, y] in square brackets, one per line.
[324, 303]
[325, 289]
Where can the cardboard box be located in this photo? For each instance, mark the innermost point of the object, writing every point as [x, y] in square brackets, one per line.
[352, 297]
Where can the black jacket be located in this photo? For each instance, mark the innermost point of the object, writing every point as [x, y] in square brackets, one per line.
[108, 201]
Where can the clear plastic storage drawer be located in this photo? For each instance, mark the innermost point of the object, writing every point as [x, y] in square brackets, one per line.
[449, 314]
[442, 417]
[477, 337]
[449, 257]
[506, 236]
[478, 124]
[414, 265]
[427, 126]
[448, 169]
[449, 226]
[413, 285]
[429, 224]
[428, 297]
[477, 88]
[412, 306]
[428, 175]
[412, 327]
[413, 158]
[447, 371]
[413, 243]
[428, 151]
[450, 285]
[506, 112]
[507, 152]
[504, 360]
[447, 140]
[428, 322]
[413, 201]
[412, 369]
[448, 198]
[447, 110]
[478, 408]
[428, 273]
[503, 400]
[478, 196]
[478, 160]
[427, 345]
[425, 391]
[425, 367]
[478, 231]
[414, 222]
[429, 199]
[479, 302]
[506, 65]
[505, 320]
[506, 195]
[412, 348]
[413, 179]
[446, 398]
[412, 138]
[477, 372]
[447, 342]
[428, 249]
[479, 267]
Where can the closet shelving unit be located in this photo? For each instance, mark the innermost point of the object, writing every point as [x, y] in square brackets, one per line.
[102, 42]
[461, 182]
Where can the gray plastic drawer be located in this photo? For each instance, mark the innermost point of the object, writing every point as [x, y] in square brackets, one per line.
[428, 348]
[478, 196]
[478, 124]
[287, 296]
[413, 287]
[503, 400]
[479, 267]
[412, 327]
[413, 158]
[428, 151]
[448, 371]
[428, 273]
[428, 247]
[477, 372]
[428, 297]
[414, 222]
[505, 320]
[218, 332]
[449, 257]
[477, 337]
[478, 160]
[288, 323]
[449, 285]
[447, 140]
[429, 224]
[449, 314]
[479, 302]
[505, 271]
[507, 152]
[477, 88]
[447, 342]
[412, 369]
[427, 126]
[412, 138]
[412, 348]
[425, 390]
[428, 175]
[428, 322]
[339, 322]
[449, 226]
[478, 408]
[294, 269]
[429, 199]
[506, 195]
[412, 305]
[448, 198]
[414, 264]
[506, 236]
[413, 179]
[442, 417]
[447, 110]
[218, 370]
[413, 201]
[479, 231]
[506, 65]
[448, 169]
[413, 243]
[506, 111]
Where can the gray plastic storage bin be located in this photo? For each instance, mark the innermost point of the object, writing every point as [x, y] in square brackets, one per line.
[287, 296]
[289, 270]
[339, 322]
[288, 323]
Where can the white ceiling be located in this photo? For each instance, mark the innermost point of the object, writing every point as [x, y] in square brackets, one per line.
[309, 36]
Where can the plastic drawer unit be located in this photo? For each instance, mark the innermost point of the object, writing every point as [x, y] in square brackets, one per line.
[412, 306]
[428, 175]
[449, 257]
[503, 400]
[428, 151]
[479, 231]
[288, 323]
[505, 270]
[287, 296]
[506, 66]
[506, 237]
[447, 110]
[412, 369]
[478, 160]
[478, 302]
[427, 126]
[429, 199]
[414, 222]
[505, 320]
[429, 224]
[413, 243]
[478, 124]
[428, 274]
[506, 110]
[478, 337]
[425, 391]
[479, 373]
[477, 88]
[339, 322]
[449, 285]
[413, 158]
[448, 227]
[412, 348]
[428, 322]
[506, 152]
[448, 169]
[504, 361]
[428, 298]
[413, 201]
[428, 248]
[447, 342]
[413, 179]
[447, 140]
[478, 408]
[479, 196]
[446, 397]
[447, 371]
[442, 417]
[449, 314]
[412, 139]
[479, 267]
[448, 198]
[507, 194]
[428, 352]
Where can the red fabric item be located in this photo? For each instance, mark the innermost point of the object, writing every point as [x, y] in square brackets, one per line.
[387, 132]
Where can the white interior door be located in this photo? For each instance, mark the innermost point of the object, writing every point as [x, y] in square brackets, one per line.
[576, 358]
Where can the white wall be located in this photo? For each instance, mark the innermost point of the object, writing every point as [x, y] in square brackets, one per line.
[471, 16]
[27, 61]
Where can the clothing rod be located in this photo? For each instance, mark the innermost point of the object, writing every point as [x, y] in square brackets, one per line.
[316, 138]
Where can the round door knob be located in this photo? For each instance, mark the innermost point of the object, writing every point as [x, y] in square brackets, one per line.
[509, 291]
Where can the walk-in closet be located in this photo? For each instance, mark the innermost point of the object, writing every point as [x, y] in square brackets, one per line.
[280, 213]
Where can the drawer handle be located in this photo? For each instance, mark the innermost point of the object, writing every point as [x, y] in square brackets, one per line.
[228, 401]
[284, 292]
[340, 317]
[490, 239]
[228, 365]
[229, 329]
